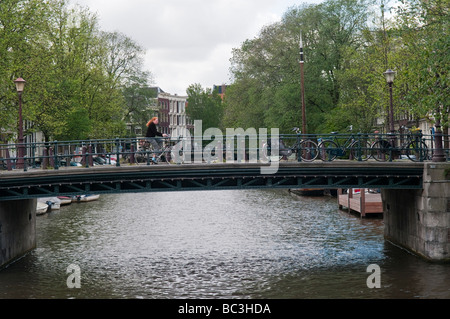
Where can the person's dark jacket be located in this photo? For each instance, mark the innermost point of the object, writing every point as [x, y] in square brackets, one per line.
[151, 131]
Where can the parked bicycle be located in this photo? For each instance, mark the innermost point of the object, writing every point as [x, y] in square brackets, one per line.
[355, 146]
[414, 147]
[306, 149]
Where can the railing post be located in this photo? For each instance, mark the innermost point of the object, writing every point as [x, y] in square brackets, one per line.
[51, 159]
[33, 155]
[55, 150]
[117, 152]
[438, 154]
[132, 151]
[422, 158]
[45, 158]
[83, 156]
[8, 161]
[238, 148]
[392, 150]
[359, 147]
[219, 152]
[90, 159]
[299, 158]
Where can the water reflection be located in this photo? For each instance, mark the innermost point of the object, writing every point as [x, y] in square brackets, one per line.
[216, 244]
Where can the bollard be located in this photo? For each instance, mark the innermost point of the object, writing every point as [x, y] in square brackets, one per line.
[50, 157]
[55, 148]
[118, 152]
[45, 158]
[132, 159]
[84, 161]
[8, 161]
[90, 159]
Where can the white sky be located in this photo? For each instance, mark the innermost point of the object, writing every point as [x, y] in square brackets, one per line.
[188, 41]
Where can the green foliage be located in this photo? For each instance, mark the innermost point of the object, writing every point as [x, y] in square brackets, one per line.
[78, 77]
[206, 105]
[424, 29]
[139, 99]
[266, 69]
[348, 44]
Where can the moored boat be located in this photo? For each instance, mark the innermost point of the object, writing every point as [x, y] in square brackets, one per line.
[85, 198]
[65, 200]
[41, 208]
[53, 203]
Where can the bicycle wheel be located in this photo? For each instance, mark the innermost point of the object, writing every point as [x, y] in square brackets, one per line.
[381, 151]
[140, 155]
[328, 150]
[307, 150]
[176, 155]
[360, 150]
[265, 152]
[417, 151]
[164, 155]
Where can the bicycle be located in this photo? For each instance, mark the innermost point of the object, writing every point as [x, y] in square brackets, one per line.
[414, 148]
[331, 148]
[306, 149]
[165, 155]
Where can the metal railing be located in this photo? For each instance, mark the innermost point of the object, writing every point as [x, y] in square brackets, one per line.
[290, 147]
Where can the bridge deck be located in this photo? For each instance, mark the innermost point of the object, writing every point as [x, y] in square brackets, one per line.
[149, 178]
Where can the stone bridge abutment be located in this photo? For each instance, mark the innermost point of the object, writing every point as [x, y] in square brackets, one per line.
[17, 229]
[419, 219]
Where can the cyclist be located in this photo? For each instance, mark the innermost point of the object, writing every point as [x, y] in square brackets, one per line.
[154, 137]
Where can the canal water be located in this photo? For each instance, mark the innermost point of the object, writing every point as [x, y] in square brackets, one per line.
[216, 244]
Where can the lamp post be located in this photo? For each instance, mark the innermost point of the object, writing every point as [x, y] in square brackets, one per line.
[20, 84]
[303, 86]
[389, 75]
[438, 154]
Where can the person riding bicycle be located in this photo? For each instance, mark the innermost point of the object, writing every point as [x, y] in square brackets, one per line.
[154, 137]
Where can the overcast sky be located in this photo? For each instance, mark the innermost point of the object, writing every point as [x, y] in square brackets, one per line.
[188, 41]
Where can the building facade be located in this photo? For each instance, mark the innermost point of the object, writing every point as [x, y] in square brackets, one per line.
[172, 112]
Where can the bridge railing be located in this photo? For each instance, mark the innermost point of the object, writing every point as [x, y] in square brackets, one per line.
[130, 151]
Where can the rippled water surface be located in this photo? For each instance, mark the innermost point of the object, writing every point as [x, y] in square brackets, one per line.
[216, 244]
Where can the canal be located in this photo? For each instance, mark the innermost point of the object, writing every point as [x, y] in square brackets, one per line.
[216, 244]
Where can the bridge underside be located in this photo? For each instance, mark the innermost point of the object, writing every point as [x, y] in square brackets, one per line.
[188, 177]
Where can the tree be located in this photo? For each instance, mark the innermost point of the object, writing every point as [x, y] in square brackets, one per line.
[73, 70]
[205, 105]
[362, 87]
[424, 27]
[20, 27]
[139, 99]
[270, 64]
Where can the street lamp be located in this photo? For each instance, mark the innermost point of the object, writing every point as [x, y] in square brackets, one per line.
[389, 74]
[20, 84]
[303, 86]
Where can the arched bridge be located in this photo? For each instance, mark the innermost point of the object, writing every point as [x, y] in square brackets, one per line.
[19, 184]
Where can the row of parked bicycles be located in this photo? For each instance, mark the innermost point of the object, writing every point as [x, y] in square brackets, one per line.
[359, 147]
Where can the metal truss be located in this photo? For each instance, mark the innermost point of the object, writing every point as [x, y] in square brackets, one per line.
[132, 179]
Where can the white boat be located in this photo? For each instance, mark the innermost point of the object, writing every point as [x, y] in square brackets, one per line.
[41, 208]
[53, 203]
[65, 200]
[85, 198]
